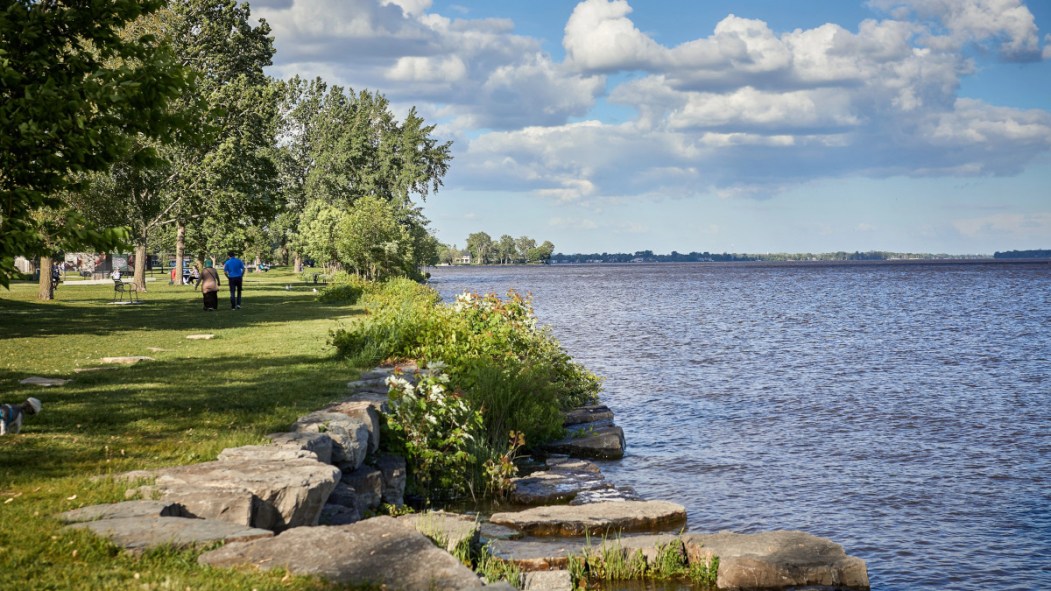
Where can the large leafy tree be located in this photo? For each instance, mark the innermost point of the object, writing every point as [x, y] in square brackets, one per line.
[481, 247]
[73, 94]
[338, 147]
[222, 178]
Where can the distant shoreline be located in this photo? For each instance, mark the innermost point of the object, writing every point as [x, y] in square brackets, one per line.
[887, 262]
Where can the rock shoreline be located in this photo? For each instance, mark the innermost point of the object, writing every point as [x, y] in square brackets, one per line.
[299, 502]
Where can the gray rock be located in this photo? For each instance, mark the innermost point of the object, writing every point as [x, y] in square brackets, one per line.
[538, 554]
[343, 495]
[140, 533]
[394, 474]
[200, 337]
[548, 580]
[319, 443]
[123, 510]
[595, 518]
[45, 382]
[377, 551]
[338, 515]
[378, 400]
[255, 453]
[447, 530]
[350, 437]
[367, 484]
[268, 494]
[776, 560]
[605, 443]
[365, 412]
[129, 360]
[606, 495]
[649, 546]
[560, 483]
[490, 531]
[376, 386]
[597, 413]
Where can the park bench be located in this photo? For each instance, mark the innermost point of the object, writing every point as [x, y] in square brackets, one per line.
[120, 288]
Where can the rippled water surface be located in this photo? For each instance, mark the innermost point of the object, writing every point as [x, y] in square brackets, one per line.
[902, 410]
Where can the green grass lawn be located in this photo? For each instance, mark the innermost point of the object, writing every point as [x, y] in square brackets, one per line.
[267, 364]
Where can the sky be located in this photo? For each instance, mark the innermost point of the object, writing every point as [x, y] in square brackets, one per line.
[749, 126]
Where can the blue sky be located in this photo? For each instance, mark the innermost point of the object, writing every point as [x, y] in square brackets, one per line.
[742, 126]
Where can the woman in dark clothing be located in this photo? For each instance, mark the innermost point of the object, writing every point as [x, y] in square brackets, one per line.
[210, 286]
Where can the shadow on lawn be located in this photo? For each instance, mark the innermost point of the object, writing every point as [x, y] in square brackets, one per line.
[166, 401]
[87, 313]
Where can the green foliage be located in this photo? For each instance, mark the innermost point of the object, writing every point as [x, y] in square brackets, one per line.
[493, 569]
[610, 561]
[340, 293]
[435, 428]
[73, 91]
[506, 368]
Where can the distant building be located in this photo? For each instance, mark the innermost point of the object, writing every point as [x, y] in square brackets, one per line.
[464, 260]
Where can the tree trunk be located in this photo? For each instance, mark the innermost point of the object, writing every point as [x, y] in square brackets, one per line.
[140, 266]
[180, 250]
[44, 293]
[298, 263]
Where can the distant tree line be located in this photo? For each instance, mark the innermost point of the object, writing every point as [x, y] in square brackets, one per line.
[481, 249]
[1023, 254]
[647, 256]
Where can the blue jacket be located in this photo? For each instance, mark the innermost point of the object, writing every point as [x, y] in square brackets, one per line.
[234, 267]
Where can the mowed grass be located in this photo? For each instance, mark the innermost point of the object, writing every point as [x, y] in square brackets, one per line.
[267, 364]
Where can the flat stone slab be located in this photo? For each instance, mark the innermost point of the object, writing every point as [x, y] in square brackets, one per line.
[378, 551]
[45, 382]
[138, 525]
[88, 369]
[603, 443]
[548, 580]
[594, 518]
[777, 560]
[596, 413]
[561, 482]
[128, 360]
[535, 554]
[200, 337]
[318, 443]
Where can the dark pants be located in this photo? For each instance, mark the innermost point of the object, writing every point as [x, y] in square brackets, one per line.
[235, 291]
[211, 300]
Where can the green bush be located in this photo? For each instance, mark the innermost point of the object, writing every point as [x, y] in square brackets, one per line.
[512, 372]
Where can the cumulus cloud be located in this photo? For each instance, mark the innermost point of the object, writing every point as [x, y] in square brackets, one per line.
[740, 110]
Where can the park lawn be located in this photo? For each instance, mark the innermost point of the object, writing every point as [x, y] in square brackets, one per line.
[267, 364]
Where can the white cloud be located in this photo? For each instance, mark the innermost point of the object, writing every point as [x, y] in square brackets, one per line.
[741, 110]
[1007, 22]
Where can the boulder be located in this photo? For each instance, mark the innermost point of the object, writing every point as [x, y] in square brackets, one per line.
[776, 560]
[319, 443]
[367, 484]
[139, 525]
[377, 552]
[365, 412]
[604, 443]
[268, 494]
[451, 531]
[595, 518]
[350, 436]
[377, 400]
[394, 471]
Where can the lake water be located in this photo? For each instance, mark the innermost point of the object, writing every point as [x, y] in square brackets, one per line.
[903, 411]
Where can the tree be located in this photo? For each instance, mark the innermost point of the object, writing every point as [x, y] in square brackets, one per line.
[524, 245]
[223, 172]
[73, 92]
[506, 248]
[480, 245]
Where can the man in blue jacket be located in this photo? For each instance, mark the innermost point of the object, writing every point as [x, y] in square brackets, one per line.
[234, 268]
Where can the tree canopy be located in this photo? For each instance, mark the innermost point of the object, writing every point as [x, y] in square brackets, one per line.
[73, 92]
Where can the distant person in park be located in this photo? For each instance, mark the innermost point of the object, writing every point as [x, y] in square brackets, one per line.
[234, 268]
[115, 275]
[195, 276]
[210, 286]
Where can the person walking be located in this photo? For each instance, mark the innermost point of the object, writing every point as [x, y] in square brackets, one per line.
[234, 268]
[210, 286]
